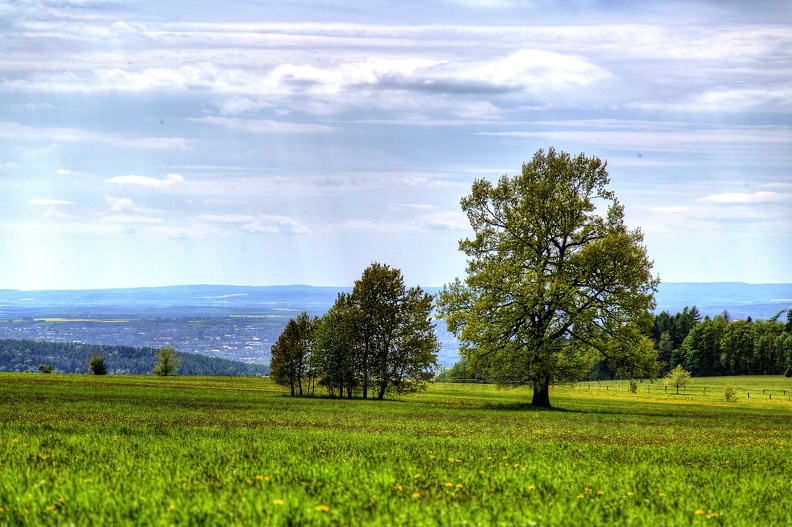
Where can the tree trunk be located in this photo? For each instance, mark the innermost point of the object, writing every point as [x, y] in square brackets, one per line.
[541, 395]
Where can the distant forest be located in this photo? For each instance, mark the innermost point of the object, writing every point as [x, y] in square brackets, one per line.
[72, 357]
[724, 346]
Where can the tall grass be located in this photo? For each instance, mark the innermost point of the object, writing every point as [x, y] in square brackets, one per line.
[127, 450]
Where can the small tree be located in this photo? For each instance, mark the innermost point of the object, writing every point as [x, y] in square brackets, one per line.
[97, 365]
[729, 393]
[168, 361]
[290, 361]
[45, 368]
[678, 377]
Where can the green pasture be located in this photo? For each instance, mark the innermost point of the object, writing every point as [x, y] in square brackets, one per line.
[140, 450]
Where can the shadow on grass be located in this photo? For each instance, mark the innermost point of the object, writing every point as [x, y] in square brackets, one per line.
[525, 407]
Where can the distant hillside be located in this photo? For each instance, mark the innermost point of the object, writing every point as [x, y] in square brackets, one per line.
[71, 357]
[740, 299]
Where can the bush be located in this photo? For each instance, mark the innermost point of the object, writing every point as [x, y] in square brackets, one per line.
[45, 368]
[633, 386]
[96, 365]
[729, 393]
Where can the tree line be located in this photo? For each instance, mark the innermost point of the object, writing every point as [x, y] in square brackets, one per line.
[722, 346]
[377, 340]
[75, 357]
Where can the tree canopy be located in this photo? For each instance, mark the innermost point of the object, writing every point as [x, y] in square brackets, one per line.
[551, 282]
[168, 361]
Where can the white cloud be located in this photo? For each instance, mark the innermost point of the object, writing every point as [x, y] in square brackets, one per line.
[146, 181]
[47, 201]
[260, 126]
[262, 223]
[123, 204]
[15, 131]
[132, 219]
[745, 198]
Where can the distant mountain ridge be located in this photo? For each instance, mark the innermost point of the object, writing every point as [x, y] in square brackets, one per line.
[711, 298]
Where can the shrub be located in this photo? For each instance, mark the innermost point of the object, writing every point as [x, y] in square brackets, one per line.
[633, 386]
[729, 393]
[96, 365]
[45, 368]
[678, 377]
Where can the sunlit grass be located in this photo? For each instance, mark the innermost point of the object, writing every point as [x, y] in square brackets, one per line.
[130, 450]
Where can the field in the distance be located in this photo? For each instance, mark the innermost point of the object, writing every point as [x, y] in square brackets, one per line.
[127, 450]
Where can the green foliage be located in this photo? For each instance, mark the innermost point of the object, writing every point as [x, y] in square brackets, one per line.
[729, 393]
[678, 377]
[552, 283]
[97, 365]
[45, 368]
[168, 362]
[234, 451]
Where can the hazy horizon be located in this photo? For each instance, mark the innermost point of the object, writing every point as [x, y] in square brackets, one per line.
[146, 144]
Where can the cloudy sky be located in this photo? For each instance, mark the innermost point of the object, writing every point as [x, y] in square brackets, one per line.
[254, 142]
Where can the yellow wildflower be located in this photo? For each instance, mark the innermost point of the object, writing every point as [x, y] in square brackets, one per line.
[713, 515]
[482, 472]
[531, 487]
[278, 501]
[399, 487]
[322, 508]
[417, 476]
[580, 496]
[698, 512]
[630, 493]
[416, 495]
[600, 492]
[661, 494]
[172, 507]
[449, 484]
[458, 485]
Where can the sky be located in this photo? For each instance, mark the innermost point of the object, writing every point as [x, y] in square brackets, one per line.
[249, 142]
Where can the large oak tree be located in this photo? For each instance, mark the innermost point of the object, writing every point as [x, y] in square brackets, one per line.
[554, 279]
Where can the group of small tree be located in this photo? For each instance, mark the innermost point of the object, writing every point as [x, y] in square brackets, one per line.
[377, 340]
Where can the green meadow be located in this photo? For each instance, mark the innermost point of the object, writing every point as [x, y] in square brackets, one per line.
[140, 450]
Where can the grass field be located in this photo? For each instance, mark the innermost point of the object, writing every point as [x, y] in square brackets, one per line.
[129, 450]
